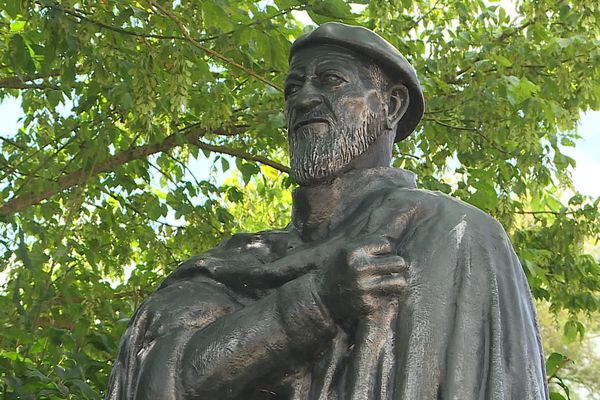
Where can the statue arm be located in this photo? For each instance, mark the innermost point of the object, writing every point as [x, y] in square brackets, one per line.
[278, 332]
[271, 336]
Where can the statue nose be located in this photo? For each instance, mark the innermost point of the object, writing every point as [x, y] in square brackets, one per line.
[308, 99]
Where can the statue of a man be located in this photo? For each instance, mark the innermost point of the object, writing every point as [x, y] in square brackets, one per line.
[376, 290]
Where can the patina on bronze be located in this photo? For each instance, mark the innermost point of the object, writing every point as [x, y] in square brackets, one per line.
[376, 289]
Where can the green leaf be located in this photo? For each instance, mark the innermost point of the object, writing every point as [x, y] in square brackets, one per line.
[14, 8]
[571, 330]
[139, 12]
[520, 89]
[224, 164]
[554, 362]
[17, 26]
[333, 9]
[85, 389]
[505, 62]
[215, 15]
[557, 396]
[247, 169]
[19, 53]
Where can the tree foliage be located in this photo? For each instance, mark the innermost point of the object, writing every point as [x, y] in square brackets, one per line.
[571, 363]
[100, 199]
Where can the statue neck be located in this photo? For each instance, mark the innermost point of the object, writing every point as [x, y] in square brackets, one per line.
[379, 153]
[318, 209]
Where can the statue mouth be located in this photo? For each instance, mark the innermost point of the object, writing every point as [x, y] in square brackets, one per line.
[309, 121]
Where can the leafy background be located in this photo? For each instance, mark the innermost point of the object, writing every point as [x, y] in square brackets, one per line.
[154, 129]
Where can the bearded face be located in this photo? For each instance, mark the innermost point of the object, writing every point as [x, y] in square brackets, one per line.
[335, 111]
[320, 150]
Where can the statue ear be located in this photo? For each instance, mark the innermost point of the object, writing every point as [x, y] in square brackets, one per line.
[397, 105]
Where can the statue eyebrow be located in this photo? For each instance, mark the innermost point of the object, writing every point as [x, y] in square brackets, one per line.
[294, 76]
[328, 65]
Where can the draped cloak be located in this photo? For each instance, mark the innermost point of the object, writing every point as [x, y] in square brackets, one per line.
[237, 323]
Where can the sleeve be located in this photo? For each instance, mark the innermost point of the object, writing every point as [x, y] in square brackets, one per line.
[193, 339]
[169, 312]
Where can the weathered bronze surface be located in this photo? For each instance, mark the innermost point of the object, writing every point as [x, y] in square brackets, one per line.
[376, 289]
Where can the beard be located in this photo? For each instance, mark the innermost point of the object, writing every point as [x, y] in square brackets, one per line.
[317, 155]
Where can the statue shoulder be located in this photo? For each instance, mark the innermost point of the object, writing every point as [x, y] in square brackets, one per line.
[234, 253]
[444, 210]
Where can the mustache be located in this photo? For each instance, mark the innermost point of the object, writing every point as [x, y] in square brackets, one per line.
[297, 120]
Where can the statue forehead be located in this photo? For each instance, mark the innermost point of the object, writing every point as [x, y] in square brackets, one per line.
[312, 56]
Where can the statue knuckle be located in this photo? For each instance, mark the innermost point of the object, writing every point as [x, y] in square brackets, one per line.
[364, 267]
[354, 257]
[399, 262]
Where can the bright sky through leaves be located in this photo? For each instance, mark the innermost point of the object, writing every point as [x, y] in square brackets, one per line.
[586, 152]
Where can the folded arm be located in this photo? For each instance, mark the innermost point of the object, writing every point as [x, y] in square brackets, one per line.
[192, 340]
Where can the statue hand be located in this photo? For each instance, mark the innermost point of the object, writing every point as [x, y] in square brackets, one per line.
[364, 277]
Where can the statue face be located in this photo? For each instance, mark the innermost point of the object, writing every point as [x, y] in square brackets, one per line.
[334, 110]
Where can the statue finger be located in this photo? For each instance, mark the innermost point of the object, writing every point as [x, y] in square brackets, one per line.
[382, 265]
[366, 247]
[394, 283]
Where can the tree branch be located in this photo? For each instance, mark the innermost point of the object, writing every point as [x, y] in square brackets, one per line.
[467, 128]
[422, 17]
[408, 155]
[208, 50]
[460, 128]
[10, 82]
[242, 154]
[12, 169]
[253, 23]
[505, 35]
[73, 179]
[544, 212]
[25, 86]
[77, 14]
[14, 144]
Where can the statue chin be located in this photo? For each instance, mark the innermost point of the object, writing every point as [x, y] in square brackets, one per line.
[317, 157]
[309, 173]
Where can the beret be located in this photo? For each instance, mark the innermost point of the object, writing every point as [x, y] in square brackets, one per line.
[366, 42]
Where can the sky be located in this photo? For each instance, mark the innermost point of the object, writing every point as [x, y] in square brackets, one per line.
[587, 155]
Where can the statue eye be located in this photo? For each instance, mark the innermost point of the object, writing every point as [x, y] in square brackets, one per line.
[332, 79]
[291, 89]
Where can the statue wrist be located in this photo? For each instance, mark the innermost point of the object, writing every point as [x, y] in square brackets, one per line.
[304, 317]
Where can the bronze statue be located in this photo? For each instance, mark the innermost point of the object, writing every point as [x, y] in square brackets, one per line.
[376, 290]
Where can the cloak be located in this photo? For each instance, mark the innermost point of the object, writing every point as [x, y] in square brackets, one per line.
[243, 320]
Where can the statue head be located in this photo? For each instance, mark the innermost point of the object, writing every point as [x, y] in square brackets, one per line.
[349, 96]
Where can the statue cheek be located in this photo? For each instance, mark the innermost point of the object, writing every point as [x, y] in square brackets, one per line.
[374, 100]
[354, 106]
[288, 114]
